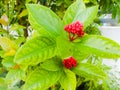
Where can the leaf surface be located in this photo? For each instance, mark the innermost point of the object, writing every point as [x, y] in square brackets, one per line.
[99, 45]
[68, 80]
[87, 16]
[43, 19]
[41, 79]
[35, 51]
[72, 11]
[89, 71]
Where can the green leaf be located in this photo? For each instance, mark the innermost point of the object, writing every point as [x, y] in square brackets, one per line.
[68, 80]
[72, 11]
[64, 47]
[23, 13]
[87, 15]
[3, 85]
[78, 11]
[2, 82]
[79, 56]
[41, 79]
[89, 71]
[43, 19]
[3, 88]
[53, 64]
[16, 27]
[15, 74]
[35, 51]
[3, 31]
[8, 62]
[99, 45]
[6, 43]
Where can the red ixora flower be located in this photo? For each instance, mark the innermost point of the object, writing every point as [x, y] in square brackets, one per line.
[69, 63]
[75, 30]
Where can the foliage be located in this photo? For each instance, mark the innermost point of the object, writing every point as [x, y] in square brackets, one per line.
[38, 63]
[106, 6]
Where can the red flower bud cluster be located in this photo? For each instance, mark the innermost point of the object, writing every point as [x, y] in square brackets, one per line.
[75, 30]
[69, 63]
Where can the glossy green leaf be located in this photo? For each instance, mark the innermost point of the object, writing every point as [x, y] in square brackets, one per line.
[89, 71]
[99, 45]
[87, 15]
[68, 80]
[72, 11]
[53, 64]
[15, 74]
[41, 79]
[35, 51]
[43, 19]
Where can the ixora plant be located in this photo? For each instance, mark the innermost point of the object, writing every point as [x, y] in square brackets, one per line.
[55, 58]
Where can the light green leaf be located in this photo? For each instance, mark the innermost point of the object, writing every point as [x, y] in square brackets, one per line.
[3, 31]
[68, 80]
[2, 82]
[16, 27]
[64, 47]
[43, 19]
[28, 1]
[41, 79]
[87, 15]
[23, 13]
[3, 85]
[79, 56]
[6, 43]
[8, 62]
[72, 11]
[35, 51]
[53, 64]
[3, 88]
[15, 74]
[99, 45]
[89, 71]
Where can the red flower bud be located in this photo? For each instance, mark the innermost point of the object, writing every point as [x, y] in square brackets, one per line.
[75, 28]
[69, 63]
